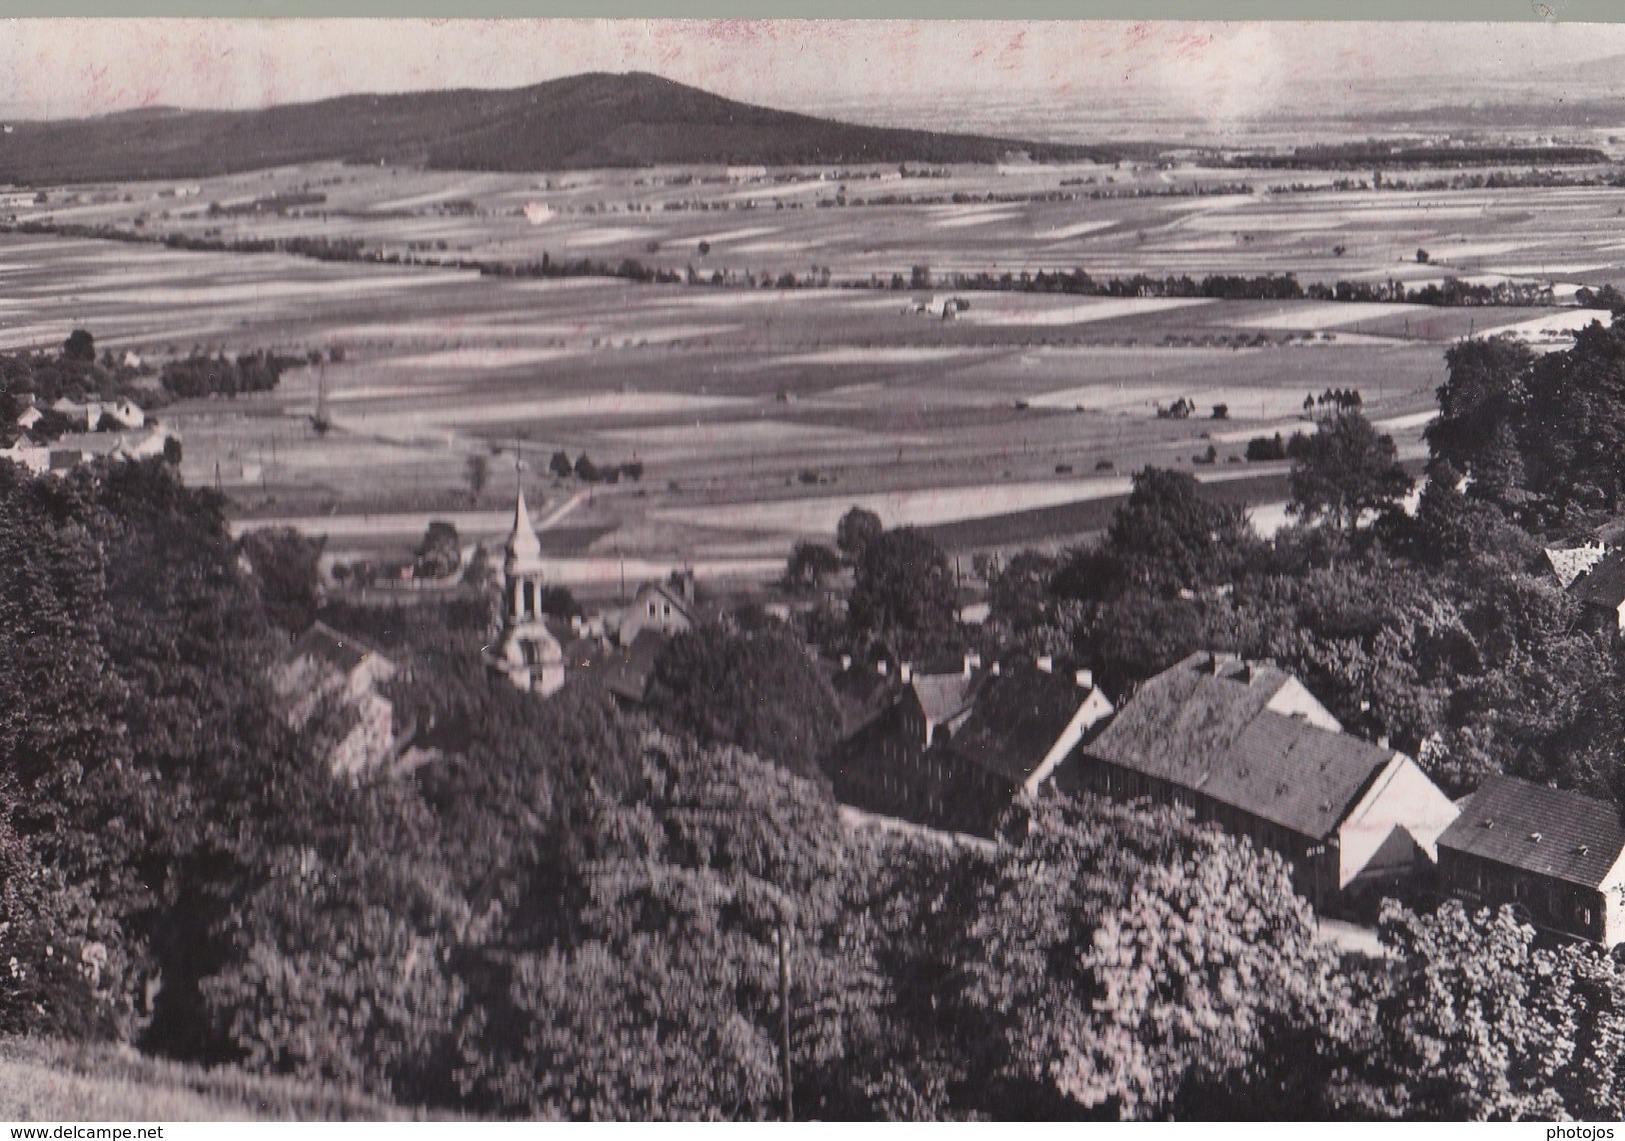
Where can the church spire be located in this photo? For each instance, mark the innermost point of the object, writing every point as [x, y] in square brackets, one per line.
[524, 550]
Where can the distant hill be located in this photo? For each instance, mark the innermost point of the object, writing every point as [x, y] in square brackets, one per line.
[584, 121]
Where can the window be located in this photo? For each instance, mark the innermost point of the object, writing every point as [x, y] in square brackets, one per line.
[651, 609]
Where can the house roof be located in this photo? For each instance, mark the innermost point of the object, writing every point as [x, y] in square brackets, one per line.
[863, 694]
[1569, 563]
[1580, 836]
[625, 671]
[1603, 584]
[326, 644]
[1210, 731]
[1017, 718]
[944, 695]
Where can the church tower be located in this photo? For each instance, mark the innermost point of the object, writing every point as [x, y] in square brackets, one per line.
[526, 652]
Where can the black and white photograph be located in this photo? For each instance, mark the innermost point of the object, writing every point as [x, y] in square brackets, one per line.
[776, 570]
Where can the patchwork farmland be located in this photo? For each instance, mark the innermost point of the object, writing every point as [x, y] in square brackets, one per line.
[797, 361]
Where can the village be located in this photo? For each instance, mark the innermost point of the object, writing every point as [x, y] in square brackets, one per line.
[951, 745]
[1069, 578]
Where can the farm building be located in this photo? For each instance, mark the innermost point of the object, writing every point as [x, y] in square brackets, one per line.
[953, 748]
[526, 652]
[666, 607]
[1569, 563]
[25, 453]
[1554, 856]
[1027, 721]
[325, 669]
[1601, 592]
[1245, 746]
[624, 671]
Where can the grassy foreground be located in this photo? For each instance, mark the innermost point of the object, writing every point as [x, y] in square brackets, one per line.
[60, 1081]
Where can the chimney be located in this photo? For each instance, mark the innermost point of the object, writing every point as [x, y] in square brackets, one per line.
[1382, 742]
[1046, 663]
[881, 666]
[1085, 679]
[906, 672]
[846, 662]
[968, 666]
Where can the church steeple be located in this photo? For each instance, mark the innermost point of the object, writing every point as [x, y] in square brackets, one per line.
[524, 549]
[526, 652]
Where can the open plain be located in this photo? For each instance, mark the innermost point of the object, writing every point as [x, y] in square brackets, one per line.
[796, 359]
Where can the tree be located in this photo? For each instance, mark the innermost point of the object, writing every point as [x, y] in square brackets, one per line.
[1482, 404]
[660, 998]
[1167, 537]
[1575, 430]
[1479, 1022]
[809, 564]
[80, 347]
[757, 690]
[286, 566]
[1122, 960]
[560, 465]
[857, 528]
[1345, 471]
[904, 592]
[440, 553]
[478, 469]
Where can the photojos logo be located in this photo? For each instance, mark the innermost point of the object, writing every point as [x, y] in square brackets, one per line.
[1580, 1133]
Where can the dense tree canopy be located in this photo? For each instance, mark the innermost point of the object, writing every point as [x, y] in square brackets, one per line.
[758, 690]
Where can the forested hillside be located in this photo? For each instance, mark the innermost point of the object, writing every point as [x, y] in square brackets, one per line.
[572, 912]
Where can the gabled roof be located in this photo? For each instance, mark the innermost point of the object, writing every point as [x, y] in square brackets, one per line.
[1581, 837]
[625, 672]
[1209, 730]
[326, 644]
[1569, 563]
[863, 694]
[1018, 717]
[671, 594]
[944, 695]
[1603, 584]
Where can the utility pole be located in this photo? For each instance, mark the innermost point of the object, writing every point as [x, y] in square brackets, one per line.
[782, 939]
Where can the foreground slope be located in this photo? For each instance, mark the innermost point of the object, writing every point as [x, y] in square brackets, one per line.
[43, 1080]
[582, 121]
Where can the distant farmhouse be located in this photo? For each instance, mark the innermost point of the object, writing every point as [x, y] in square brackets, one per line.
[1557, 858]
[325, 670]
[1245, 746]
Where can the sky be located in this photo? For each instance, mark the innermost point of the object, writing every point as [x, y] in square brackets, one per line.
[56, 68]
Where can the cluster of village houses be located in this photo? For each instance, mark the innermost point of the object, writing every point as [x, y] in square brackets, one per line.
[118, 429]
[953, 745]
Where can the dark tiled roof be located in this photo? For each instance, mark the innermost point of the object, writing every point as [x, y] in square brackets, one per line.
[1603, 584]
[1580, 836]
[625, 672]
[1212, 733]
[1018, 717]
[863, 694]
[323, 642]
